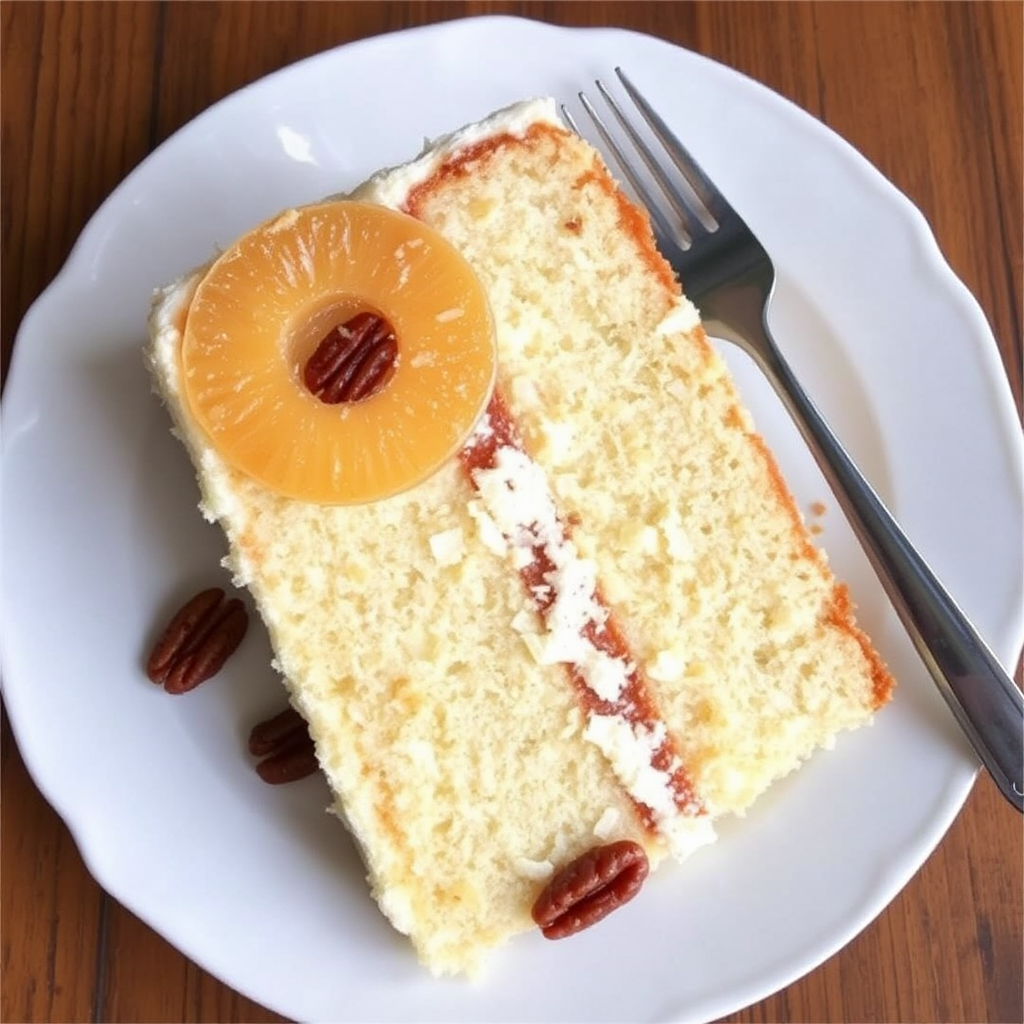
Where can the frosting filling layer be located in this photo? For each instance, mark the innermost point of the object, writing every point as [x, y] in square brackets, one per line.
[574, 626]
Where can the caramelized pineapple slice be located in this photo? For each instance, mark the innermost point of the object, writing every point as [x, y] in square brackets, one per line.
[295, 285]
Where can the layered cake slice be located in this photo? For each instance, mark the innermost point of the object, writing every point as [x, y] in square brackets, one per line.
[529, 573]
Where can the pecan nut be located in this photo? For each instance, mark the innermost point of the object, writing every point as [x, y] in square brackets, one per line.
[354, 361]
[290, 765]
[590, 888]
[197, 642]
[275, 733]
[286, 747]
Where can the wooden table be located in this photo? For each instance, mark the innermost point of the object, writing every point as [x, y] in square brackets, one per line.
[930, 93]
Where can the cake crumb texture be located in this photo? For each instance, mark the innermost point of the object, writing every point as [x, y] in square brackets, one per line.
[460, 762]
[735, 615]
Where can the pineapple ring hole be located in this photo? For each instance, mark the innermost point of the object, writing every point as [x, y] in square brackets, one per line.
[304, 335]
[355, 358]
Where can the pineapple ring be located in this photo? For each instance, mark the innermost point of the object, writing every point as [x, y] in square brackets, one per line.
[266, 303]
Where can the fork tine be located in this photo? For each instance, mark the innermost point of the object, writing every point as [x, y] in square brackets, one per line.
[689, 216]
[681, 157]
[568, 118]
[661, 222]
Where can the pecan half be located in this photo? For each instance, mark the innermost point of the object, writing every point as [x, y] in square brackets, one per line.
[590, 888]
[289, 765]
[275, 733]
[286, 747]
[354, 361]
[197, 642]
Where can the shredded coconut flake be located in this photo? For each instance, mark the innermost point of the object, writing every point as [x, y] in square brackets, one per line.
[517, 499]
[607, 824]
[448, 547]
[533, 870]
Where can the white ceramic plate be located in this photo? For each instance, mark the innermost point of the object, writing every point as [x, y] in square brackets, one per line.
[101, 540]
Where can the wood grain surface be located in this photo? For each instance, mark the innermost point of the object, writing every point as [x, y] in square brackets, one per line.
[931, 93]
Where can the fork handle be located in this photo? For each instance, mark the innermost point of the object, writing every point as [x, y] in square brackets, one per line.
[986, 703]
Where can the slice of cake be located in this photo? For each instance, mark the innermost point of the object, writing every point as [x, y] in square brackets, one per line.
[593, 616]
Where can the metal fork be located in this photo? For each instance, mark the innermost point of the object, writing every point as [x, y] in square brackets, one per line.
[730, 278]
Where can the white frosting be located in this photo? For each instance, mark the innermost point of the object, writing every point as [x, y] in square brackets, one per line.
[533, 870]
[392, 186]
[607, 824]
[680, 319]
[666, 666]
[169, 307]
[167, 317]
[448, 547]
[606, 676]
[517, 499]
[631, 748]
[487, 529]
